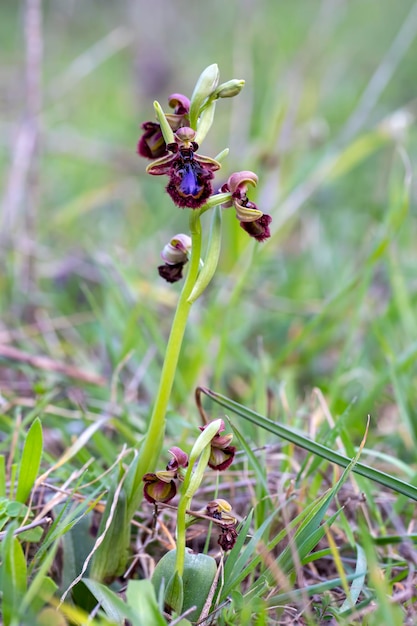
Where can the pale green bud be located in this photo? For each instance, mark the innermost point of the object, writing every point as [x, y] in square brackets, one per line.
[229, 89]
[206, 84]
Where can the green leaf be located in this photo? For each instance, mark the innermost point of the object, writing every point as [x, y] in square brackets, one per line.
[304, 442]
[199, 573]
[110, 557]
[319, 588]
[16, 509]
[76, 545]
[2, 475]
[141, 598]
[141, 608]
[42, 587]
[13, 577]
[30, 461]
[358, 582]
[237, 565]
[174, 593]
[306, 538]
[46, 588]
[113, 606]
[309, 532]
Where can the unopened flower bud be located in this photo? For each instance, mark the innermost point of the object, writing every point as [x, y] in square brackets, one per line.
[177, 250]
[229, 89]
[206, 84]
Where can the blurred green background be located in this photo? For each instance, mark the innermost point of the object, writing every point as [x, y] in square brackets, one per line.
[326, 120]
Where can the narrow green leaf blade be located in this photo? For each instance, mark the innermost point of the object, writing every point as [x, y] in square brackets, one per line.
[358, 582]
[2, 476]
[391, 482]
[141, 598]
[13, 578]
[30, 461]
[113, 606]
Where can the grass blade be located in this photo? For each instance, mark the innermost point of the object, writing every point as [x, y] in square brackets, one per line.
[30, 461]
[302, 441]
[13, 577]
[357, 583]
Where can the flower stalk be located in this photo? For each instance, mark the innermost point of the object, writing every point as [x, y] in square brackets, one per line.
[192, 480]
[152, 443]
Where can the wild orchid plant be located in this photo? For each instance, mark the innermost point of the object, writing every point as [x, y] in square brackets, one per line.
[172, 144]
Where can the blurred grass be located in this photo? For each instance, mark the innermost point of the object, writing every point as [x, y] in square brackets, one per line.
[329, 302]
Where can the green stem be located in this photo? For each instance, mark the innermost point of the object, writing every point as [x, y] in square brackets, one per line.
[192, 481]
[183, 505]
[152, 444]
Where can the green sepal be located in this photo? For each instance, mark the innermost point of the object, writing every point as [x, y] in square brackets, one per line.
[222, 155]
[205, 86]
[205, 121]
[166, 129]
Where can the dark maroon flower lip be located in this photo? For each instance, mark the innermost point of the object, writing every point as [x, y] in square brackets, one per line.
[227, 538]
[221, 458]
[172, 273]
[159, 489]
[190, 174]
[259, 229]
[189, 184]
